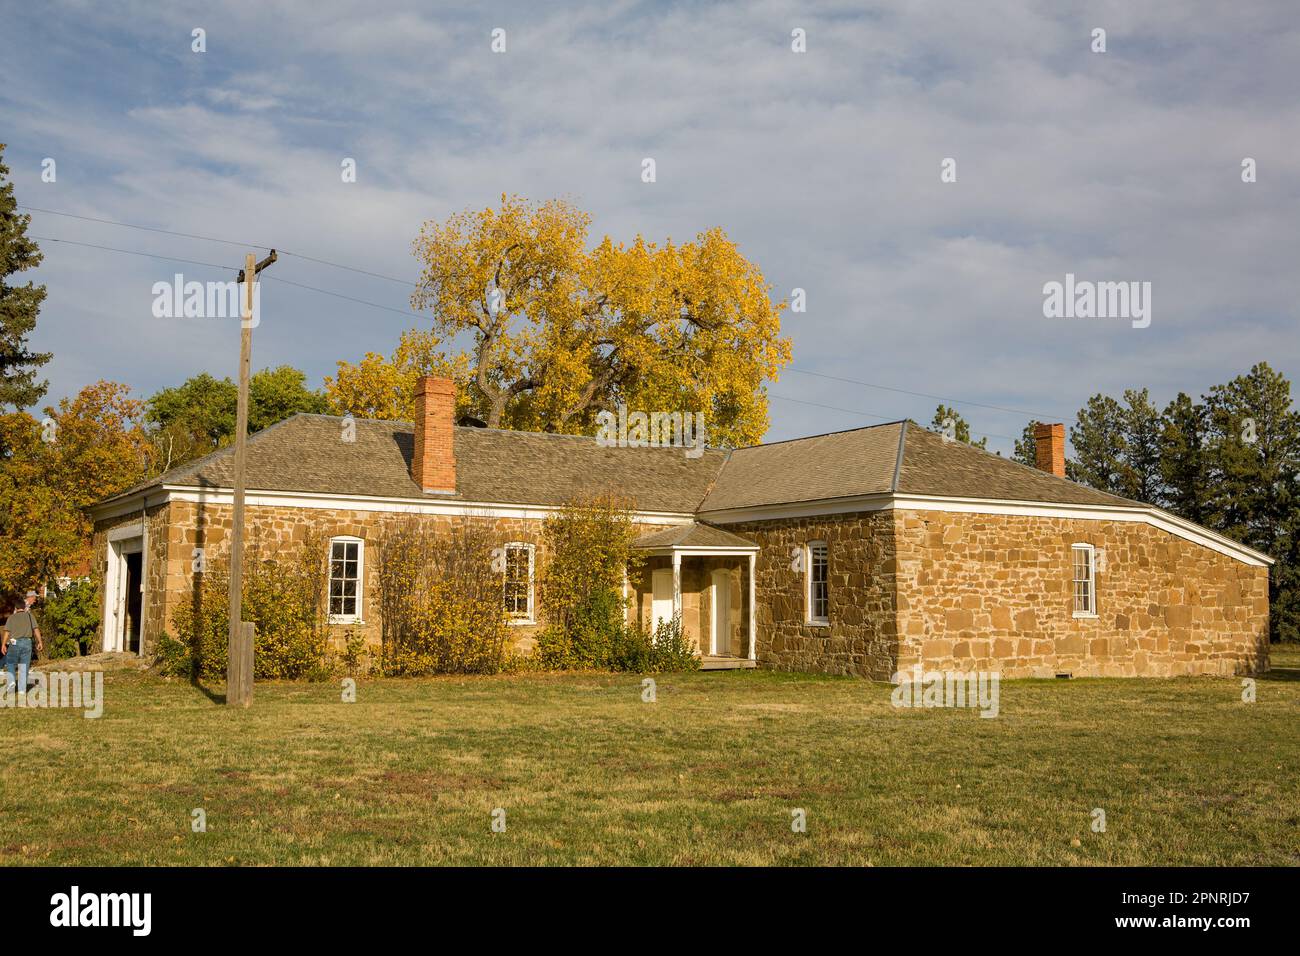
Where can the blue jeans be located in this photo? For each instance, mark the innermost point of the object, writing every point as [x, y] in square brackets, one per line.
[18, 659]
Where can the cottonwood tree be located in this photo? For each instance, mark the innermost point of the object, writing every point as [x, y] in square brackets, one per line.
[557, 332]
[384, 388]
[19, 304]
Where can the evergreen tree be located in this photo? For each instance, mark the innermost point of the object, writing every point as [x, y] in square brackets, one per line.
[19, 304]
[948, 421]
[1139, 474]
[1254, 480]
[1026, 450]
[1184, 459]
[1098, 440]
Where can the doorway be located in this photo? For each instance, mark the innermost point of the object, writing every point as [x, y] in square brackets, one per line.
[133, 601]
[124, 595]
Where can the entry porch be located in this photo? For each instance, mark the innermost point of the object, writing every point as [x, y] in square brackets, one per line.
[704, 576]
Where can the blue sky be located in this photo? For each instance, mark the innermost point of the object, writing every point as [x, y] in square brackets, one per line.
[822, 166]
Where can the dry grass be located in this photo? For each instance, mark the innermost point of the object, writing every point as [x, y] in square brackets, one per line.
[709, 774]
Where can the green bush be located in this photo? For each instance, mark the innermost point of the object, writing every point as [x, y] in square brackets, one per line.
[284, 597]
[670, 649]
[589, 549]
[69, 620]
[598, 638]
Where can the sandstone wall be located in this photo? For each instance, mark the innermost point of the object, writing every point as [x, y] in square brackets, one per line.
[862, 636]
[994, 592]
[180, 527]
[192, 525]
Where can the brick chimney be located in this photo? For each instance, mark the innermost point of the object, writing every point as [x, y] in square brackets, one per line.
[433, 467]
[1049, 448]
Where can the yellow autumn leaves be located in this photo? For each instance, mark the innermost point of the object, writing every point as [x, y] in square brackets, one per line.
[541, 333]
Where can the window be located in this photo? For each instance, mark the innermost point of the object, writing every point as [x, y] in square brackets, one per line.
[519, 583]
[345, 580]
[1085, 580]
[819, 595]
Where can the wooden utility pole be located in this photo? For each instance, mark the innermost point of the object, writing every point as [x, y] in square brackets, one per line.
[239, 662]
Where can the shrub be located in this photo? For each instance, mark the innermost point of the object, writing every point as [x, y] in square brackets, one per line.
[589, 549]
[440, 601]
[69, 619]
[284, 597]
[670, 649]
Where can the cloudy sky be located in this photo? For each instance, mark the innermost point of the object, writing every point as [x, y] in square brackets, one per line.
[823, 166]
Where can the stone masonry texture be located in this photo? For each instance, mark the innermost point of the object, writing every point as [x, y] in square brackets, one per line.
[940, 589]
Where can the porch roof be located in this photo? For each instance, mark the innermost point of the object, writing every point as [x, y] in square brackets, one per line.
[696, 536]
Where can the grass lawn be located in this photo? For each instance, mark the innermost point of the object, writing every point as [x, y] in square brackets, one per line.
[709, 774]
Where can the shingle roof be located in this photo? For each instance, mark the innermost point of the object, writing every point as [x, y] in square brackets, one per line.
[866, 461]
[858, 462]
[306, 453]
[935, 466]
[693, 535]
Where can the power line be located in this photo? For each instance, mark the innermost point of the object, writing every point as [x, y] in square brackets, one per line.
[409, 313]
[938, 398]
[213, 265]
[230, 242]
[886, 418]
[131, 252]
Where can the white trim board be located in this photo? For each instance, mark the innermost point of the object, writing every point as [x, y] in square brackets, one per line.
[886, 501]
[295, 499]
[1154, 517]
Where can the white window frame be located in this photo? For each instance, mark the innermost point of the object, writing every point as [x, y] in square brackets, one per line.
[1091, 580]
[811, 618]
[355, 618]
[514, 617]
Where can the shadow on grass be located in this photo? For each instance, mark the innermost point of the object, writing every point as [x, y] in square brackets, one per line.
[1282, 674]
[211, 695]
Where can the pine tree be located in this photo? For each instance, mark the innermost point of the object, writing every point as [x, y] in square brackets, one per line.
[19, 305]
[1254, 478]
[1098, 440]
[1183, 458]
[948, 421]
[1139, 476]
[1026, 450]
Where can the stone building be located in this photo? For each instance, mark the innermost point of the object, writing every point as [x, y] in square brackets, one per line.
[859, 552]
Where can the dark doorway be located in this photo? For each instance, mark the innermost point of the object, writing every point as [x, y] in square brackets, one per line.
[131, 634]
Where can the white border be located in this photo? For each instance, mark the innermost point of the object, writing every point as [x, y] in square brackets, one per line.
[296, 499]
[1155, 517]
[358, 617]
[810, 619]
[1091, 552]
[531, 617]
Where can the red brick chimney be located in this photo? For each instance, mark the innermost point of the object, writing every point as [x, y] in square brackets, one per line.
[434, 464]
[1049, 448]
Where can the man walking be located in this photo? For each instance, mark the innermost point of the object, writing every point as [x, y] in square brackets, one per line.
[16, 643]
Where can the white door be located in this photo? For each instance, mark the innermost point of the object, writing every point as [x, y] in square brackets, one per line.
[722, 612]
[661, 606]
